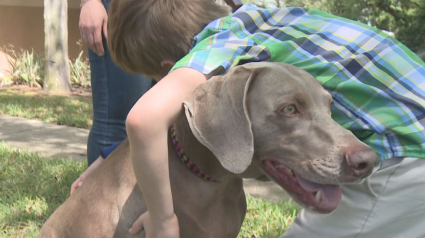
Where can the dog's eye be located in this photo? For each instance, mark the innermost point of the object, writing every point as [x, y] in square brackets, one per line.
[288, 110]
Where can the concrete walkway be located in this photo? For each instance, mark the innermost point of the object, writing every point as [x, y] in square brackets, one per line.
[68, 142]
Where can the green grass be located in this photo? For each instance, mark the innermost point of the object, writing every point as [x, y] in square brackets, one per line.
[32, 187]
[71, 111]
[267, 220]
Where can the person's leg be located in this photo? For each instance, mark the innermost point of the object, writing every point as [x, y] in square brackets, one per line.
[390, 203]
[114, 92]
[400, 210]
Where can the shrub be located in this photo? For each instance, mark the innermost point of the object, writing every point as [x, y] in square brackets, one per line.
[80, 71]
[27, 67]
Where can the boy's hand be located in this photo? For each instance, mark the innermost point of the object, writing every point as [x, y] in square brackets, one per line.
[164, 229]
[93, 20]
[85, 174]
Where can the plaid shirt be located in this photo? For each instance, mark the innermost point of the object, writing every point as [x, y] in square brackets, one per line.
[377, 84]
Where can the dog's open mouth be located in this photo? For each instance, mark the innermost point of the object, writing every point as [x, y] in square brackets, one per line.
[318, 197]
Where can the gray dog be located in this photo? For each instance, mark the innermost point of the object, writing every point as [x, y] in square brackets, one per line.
[260, 120]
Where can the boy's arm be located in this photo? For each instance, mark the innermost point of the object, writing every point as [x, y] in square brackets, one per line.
[104, 152]
[80, 180]
[147, 128]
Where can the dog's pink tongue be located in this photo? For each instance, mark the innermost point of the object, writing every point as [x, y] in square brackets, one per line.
[330, 194]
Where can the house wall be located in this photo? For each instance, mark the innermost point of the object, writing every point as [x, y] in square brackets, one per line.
[22, 25]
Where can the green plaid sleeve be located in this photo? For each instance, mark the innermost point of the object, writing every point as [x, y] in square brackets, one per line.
[223, 44]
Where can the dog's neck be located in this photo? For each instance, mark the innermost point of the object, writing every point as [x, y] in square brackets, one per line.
[200, 155]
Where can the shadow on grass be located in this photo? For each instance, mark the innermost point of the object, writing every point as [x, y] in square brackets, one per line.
[32, 187]
[75, 111]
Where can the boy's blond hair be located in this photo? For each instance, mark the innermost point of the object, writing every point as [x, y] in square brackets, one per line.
[143, 33]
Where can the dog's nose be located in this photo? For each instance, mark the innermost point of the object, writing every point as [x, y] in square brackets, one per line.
[361, 161]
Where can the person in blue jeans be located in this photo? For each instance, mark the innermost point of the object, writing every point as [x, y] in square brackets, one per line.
[114, 91]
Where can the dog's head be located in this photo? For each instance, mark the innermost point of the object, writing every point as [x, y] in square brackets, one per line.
[275, 119]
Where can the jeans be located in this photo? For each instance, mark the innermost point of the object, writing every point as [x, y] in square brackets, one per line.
[114, 92]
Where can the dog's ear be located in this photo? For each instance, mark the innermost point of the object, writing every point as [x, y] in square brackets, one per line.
[218, 117]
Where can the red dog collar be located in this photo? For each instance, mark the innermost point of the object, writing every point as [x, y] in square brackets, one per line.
[189, 164]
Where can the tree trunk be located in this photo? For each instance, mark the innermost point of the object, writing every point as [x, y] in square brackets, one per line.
[57, 78]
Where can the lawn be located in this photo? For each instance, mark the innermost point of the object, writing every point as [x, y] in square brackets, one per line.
[32, 186]
[73, 111]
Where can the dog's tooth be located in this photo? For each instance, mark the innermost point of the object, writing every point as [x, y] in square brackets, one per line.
[318, 195]
[286, 168]
[290, 171]
[280, 166]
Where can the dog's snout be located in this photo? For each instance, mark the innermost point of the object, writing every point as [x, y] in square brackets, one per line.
[360, 161]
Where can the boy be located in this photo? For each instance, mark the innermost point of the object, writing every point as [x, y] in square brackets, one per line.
[376, 83]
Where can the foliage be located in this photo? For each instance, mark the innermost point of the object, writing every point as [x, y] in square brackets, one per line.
[27, 67]
[80, 71]
[316, 4]
[405, 18]
[32, 187]
[266, 3]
